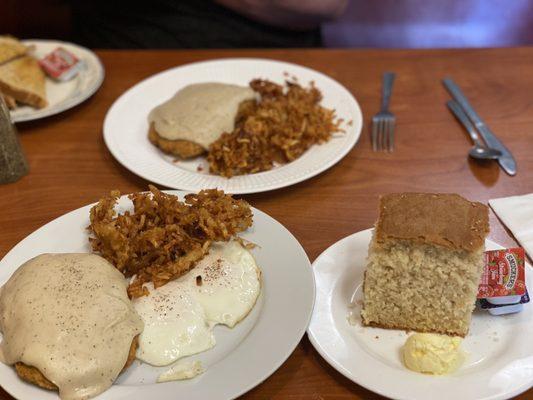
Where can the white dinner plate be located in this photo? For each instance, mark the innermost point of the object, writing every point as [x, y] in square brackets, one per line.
[63, 95]
[126, 126]
[243, 356]
[499, 363]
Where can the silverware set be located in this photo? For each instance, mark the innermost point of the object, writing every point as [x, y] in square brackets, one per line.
[492, 143]
[486, 145]
[479, 151]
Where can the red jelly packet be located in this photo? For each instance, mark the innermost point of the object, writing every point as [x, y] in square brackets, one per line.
[504, 274]
[60, 64]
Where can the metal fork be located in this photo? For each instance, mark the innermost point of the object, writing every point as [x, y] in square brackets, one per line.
[383, 122]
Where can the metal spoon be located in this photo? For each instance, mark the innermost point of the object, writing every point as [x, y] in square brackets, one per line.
[479, 151]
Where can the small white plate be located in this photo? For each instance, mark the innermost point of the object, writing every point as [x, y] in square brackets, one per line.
[126, 126]
[500, 350]
[243, 356]
[63, 95]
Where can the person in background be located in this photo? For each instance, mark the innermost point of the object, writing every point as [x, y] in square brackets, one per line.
[202, 23]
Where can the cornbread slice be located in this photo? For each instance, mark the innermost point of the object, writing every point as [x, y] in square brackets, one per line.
[424, 263]
[23, 80]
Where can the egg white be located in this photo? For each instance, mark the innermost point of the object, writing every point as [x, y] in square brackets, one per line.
[179, 317]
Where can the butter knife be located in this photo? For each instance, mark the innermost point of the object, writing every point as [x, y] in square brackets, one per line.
[506, 160]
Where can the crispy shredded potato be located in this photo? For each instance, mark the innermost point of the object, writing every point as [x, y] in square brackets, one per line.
[279, 128]
[163, 238]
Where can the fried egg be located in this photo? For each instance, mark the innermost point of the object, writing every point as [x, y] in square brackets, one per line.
[179, 317]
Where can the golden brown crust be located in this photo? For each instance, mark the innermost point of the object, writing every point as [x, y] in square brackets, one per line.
[180, 148]
[132, 352]
[23, 96]
[10, 48]
[10, 101]
[24, 80]
[410, 329]
[33, 375]
[447, 220]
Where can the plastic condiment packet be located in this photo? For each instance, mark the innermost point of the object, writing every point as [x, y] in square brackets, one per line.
[503, 275]
[61, 64]
[485, 305]
[508, 309]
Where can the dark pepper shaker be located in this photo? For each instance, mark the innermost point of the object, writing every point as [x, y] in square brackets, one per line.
[13, 164]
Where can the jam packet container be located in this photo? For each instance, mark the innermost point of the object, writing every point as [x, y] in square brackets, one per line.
[61, 64]
[502, 289]
[504, 275]
[500, 309]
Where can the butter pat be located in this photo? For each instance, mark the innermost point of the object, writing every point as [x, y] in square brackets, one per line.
[429, 353]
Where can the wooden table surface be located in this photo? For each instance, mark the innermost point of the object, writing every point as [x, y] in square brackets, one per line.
[71, 167]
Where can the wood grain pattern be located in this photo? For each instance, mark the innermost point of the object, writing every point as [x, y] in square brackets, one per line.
[71, 167]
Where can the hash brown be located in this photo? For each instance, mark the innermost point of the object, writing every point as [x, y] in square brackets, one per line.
[164, 237]
[278, 129]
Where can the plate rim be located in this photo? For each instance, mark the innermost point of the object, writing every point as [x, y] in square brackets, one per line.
[129, 390]
[340, 369]
[124, 162]
[69, 104]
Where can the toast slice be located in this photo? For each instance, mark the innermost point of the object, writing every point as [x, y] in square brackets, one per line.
[10, 48]
[10, 101]
[24, 80]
